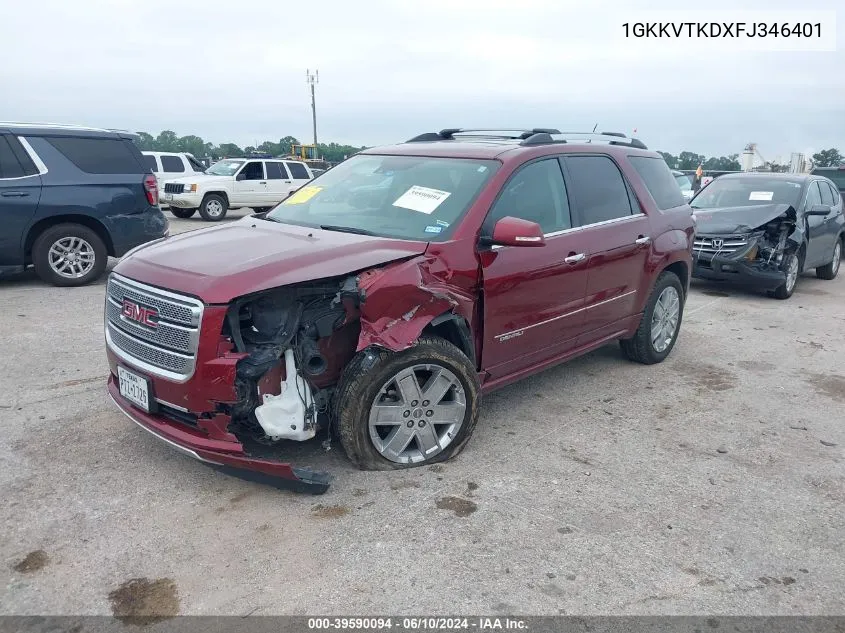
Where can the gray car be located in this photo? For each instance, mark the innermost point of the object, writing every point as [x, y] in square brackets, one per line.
[765, 229]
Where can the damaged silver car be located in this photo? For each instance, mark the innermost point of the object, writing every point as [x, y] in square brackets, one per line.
[764, 230]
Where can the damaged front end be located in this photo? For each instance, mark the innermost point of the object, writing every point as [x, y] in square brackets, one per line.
[746, 245]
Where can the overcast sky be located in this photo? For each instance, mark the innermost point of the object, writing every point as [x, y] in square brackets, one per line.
[235, 71]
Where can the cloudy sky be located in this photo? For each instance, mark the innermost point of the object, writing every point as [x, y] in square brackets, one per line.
[389, 69]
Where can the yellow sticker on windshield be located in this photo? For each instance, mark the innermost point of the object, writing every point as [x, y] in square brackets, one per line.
[303, 195]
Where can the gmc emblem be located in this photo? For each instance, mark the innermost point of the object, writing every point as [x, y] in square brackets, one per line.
[140, 314]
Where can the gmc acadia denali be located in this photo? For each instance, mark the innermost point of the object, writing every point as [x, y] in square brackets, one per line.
[381, 300]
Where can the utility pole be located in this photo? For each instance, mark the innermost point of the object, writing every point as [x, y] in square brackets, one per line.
[312, 79]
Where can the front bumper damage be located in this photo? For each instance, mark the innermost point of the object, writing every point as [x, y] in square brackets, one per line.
[738, 270]
[224, 453]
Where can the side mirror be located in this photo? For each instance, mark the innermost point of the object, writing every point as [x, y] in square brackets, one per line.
[819, 209]
[510, 231]
[240, 176]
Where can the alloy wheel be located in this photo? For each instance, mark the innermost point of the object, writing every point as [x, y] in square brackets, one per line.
[71, 257]
[664, 319]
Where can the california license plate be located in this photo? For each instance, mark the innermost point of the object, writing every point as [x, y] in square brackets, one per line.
[134, 388]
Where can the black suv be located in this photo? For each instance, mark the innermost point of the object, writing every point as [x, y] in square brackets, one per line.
[69, 198]
[835, 174]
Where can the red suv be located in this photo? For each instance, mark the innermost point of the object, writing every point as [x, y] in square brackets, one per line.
[382, 299]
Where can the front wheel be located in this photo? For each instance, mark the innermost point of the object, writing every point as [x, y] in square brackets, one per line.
[214, 207]
[791, 265]
[830, 270]
[182, 213]
[660, 323]
[409, 408]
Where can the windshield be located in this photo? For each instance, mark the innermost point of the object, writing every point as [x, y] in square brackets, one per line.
[749, 191]
[224, 168]
[406, 197]
[684, 183]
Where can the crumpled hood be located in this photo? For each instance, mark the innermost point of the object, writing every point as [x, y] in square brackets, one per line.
[223, 262]
[732, 220]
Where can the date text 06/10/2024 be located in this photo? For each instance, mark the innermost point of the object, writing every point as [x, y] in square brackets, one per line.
[417, 624]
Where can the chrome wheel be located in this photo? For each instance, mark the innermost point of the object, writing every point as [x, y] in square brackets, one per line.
[664, 319]
[837, 257]
[214, 208]
[417, 414]
[792, 273]
[71, 257]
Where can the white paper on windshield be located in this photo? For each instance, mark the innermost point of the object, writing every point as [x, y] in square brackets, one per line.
[422, 199]
[761, 195]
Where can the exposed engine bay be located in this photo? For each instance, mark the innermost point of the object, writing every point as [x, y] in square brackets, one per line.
[297, 340]
[770, 242]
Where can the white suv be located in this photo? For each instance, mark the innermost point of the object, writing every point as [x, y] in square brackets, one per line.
[233, 183]
[167, 165]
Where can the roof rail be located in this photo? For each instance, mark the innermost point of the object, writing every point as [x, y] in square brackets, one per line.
[448, 134]
[611, 138]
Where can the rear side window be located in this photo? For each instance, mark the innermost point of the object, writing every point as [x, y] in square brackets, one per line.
[298, 171]
[150, 162]
[599, 192]
[835, 194]
[172, 164]
[97, 155]
[14, 161]
[661, 184]
[276, 171]
[827, 196]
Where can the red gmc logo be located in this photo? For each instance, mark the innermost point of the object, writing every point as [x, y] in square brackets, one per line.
[140, 314]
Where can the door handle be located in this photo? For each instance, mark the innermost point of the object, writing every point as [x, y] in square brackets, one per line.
[642, 239]
[287, 182]
[14, 194]
[575, 258]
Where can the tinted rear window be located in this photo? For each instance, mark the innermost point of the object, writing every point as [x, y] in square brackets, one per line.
[276, 171]
[9, 165]
[150, 162]
[172, 164]
[598, 189]
[98, 155]
[659, 181]
[298, 171]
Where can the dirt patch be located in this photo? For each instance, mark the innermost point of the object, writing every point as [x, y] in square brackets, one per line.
[359, 492]
[329, 512]
[436, 468]
[32, 562]
[756, 365]
[264, 527]
[707, 377]
[830, 385]
[461, 507]
[78, 381]
[472, 486]
[242, 496]
[401, 484]
[141, 601]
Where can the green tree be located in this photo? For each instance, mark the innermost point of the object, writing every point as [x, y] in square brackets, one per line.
[167, 141]
[146, 142]
[689, 160]
[192, 145]
[723, 163]
[229, 150]
[672, 161]
[828, 158]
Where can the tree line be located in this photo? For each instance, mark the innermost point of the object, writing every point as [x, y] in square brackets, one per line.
[168, 141]
[691, 160]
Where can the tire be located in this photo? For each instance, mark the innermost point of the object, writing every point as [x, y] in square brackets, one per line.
[642, 347]
[69, 255]
[368, 377]
[785, 290]
[213, 207]
[182, 213]
[829, 271]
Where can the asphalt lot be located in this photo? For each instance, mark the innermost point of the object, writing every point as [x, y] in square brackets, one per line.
[712, 483]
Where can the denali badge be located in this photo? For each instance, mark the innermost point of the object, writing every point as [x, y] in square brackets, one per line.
[139, 314]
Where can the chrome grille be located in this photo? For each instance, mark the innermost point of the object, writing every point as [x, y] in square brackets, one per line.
[167, 350]
[172, 187]
[719, 244]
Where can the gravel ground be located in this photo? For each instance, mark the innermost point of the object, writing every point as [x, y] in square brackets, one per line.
[712, 483]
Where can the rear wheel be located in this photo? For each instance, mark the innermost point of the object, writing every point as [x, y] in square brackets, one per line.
[409, 408]
[213, 207]
[182, 213]
[660, 323]
[69, 255]
[830, 270]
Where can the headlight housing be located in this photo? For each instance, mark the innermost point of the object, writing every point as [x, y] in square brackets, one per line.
[190, 188]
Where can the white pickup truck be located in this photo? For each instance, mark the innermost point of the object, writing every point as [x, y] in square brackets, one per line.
[234, 183]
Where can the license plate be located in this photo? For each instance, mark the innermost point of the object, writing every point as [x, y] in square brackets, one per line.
[134, 388]
[168, 196]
